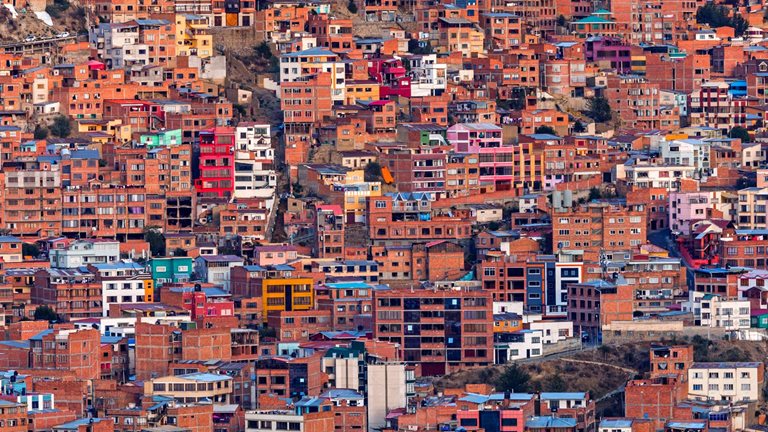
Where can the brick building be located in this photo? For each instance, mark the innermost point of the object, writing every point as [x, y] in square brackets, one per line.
[440, 330]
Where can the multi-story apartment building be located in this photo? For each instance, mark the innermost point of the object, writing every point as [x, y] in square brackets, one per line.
[637, 102]
[73, 293]
[603, 231]
[279, 287]
[409, 217]
[439, 330]
[170, 270]
[295, 66]
[687, 207]
[254, 161]
[216, 165]
[713, 105]
[416, 170]
[31, 198]
[715, 311]
[429, 77]
[192, 388]
[751, 208]
[329, 238]
[305, 102]
[484, 140]
[216, 269]
[726, 381]
[349, 304]
[123, 282]
[647, 173]
[76, 351]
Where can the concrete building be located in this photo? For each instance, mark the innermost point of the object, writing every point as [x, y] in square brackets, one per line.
[84, 252]
[123, 282]
[715, 311]
[521, 344]
[192, 388]
[215, 269]
[387, 384]
[726, 381]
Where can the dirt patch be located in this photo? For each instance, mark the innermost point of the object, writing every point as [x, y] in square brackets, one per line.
[594, 372]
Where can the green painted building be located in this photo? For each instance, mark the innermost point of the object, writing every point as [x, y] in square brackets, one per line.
[170, 270]
[163, 138]
[759, 319]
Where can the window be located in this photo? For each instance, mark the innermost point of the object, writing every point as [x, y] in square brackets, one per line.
[697, 387]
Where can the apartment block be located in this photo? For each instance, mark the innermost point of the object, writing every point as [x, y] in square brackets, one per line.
[440, 330]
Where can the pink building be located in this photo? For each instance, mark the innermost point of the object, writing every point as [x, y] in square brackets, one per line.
[687, 207]
[272, 255]
[391, 74]
[485, 140]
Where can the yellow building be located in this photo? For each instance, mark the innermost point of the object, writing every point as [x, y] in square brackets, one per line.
[113, 129]
[193, 36]
[362, 90]
[507, 322]
[149, 291]
[356, 193]
[287, 294]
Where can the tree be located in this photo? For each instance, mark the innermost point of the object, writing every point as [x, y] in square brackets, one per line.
[556, 383]
[373, 172]
[46, 313]
[263, 50]
[179, 252]
[549, 130]
[513, 379]
[594, 194]
[352, 7]
[61, 126]
[599, 109]
[579, 127]
[416, 47]
[740, 133]
[720, 16]
[30, 249]
[562, 21]
[154, 237]
[41, 132]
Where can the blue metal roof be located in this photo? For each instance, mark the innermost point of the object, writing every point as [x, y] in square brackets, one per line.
[207, 377]
[317, 51]
[39, 336]
[550, 422]
[563, 396]
[616, 423]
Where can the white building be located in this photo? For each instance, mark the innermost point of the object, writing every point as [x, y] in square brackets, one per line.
[518, 345]
[308, 62]
[271, 421]
[687, 152]
[121, 44]
[122, 283]
[215, 269]
[553, 332]
[255, 137]
[387, 381]
[428, 77]
[643, 173]
[725, 381]
[714, 311]
[84, 252]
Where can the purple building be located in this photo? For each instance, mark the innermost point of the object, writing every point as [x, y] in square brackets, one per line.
[609, 50]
